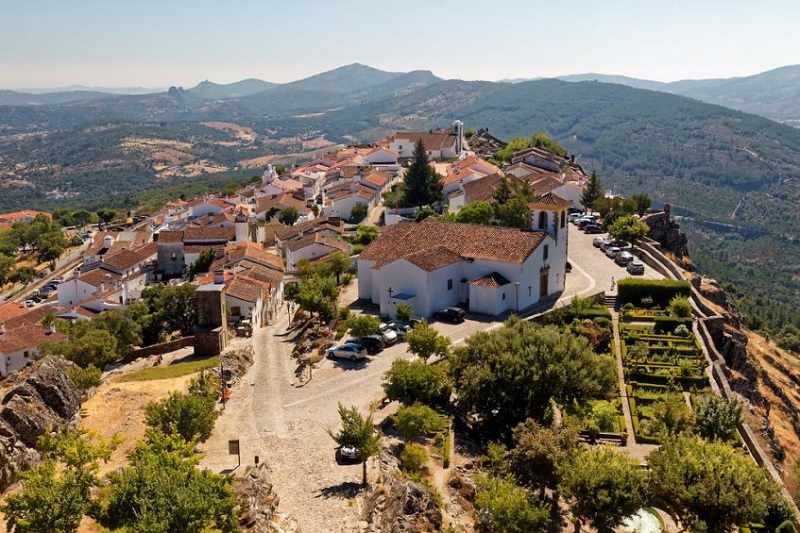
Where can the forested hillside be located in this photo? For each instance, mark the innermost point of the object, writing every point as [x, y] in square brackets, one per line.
[734, 177]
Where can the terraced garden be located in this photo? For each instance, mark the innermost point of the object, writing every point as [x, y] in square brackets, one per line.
[657, 366]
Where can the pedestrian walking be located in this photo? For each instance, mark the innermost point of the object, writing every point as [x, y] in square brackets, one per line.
[613, 282]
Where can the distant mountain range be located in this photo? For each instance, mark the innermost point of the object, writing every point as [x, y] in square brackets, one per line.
[774, 94]
[734, 176]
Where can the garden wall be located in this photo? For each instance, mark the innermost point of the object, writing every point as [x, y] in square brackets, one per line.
[163, 347]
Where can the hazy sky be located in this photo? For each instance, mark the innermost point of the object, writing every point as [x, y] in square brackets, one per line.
[157, 43]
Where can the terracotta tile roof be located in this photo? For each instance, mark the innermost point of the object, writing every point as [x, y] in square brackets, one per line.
[492, 243]
[379, 179]
[484, 188]
[317, 224]
[261, 273]
[209, 234]
[99, 276]
[282, 201]
[199, 248]
[544, 184]
[11, 310]
[170, 237]
[433, 258]
[529, 172]
[468, 166]
[148, 250]
[245, 289]
[432, 141]
[251, 251]
[23, 335]
[550, 201]
[492, 280]
[123, 260]
[318, 238]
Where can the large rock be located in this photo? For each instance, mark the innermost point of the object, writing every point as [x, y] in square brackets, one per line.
[667, 233]
[37, 400]
[401, 504]
[260, 501]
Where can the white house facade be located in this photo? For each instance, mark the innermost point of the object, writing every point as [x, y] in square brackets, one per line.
[492, 270]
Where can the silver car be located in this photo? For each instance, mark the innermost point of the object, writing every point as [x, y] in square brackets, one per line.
[347, 351]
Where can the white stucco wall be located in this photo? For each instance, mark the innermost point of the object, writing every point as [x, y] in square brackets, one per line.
[73, 291]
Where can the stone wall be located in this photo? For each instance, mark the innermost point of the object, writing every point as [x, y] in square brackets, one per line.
[163, 347]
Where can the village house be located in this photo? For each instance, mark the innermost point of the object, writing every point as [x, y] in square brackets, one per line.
[440, 145]
[315, 240]
[8, 219]
[491, 269]
[481, 189]
[21, 336]
[457, 174]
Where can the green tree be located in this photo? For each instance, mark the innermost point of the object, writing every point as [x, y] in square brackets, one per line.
[605, 415]
[425, 341]
[362, 325]
[230, 189]
[6, 267]
[410, 382]
[202, 263]
[717, 418]
[23, 274]
[511, 374]
[288, 216]
[63, 216]
[403, 312]
[542, 140]
[359, 432]
[106, 215]
[642, 202]
[680, 306]
[93, 347]
[592, 191]
[51, 245]
[628, 228]
[671, 416]
[318, 294]
[174, 306]
[163, 490]
[538, 451]
[56, 498]
[418, 420]
[502, 506]
[82, 217]
[358, 213]
[126, 331]
[606, 485]
[192, 415]
[338, 264]
[422, 185]
[478, 212]
[710, 481]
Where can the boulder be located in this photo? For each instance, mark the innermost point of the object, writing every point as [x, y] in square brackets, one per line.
[254, 490]
[667, 233]
[36, 400]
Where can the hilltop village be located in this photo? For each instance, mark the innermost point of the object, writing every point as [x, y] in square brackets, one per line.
[419, 334]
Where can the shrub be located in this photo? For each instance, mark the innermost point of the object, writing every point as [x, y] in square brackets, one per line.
[85, 378]
[680, 306]
[660, 291]
[604, 413]
[189, 415]
[413, 457]
[417, 420]
[682, 331]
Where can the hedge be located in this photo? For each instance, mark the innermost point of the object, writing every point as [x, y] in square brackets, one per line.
[667, 324]
[633, 290]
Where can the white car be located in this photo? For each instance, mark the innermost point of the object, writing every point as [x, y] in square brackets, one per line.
[389, 335]
[29, 303]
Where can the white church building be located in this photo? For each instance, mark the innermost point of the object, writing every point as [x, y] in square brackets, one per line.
[489, 269]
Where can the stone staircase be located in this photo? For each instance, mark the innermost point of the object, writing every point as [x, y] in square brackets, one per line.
[610, 300]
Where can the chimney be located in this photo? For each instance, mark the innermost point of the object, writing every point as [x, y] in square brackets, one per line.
[219, 276]
[108, 240]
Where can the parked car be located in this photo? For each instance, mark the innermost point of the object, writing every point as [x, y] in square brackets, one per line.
[450, 314]
[574, 216]
[46, 290]
[584, 218]
[347, 351]
[635, 267]
[400, 328]
[597, 242]
[371, 343]
[611, 251]
[29, 303]
[389, 335]
[592, 228]
[623, 257]
[350, 452]
[583, 222]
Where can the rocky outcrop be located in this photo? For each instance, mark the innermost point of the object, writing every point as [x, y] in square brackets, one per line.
[668, 234]
[235, 363]
[259, 500]
[35, 401]
[400, 504]
[485, 145]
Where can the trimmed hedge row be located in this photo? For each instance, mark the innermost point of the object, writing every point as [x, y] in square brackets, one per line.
[633, 290]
